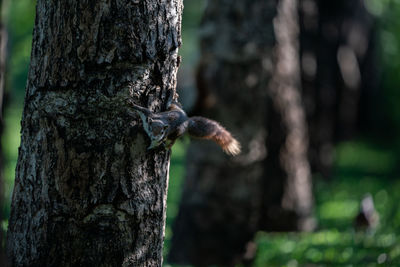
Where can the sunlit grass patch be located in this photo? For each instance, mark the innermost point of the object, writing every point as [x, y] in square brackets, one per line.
[345, 209]
[361, 168]
[364, 157]
[329, 248]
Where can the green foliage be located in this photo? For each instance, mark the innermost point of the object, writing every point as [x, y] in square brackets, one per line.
[361, 168]
[10, 144]
[19, 29]
[175, 185]
[191, 19]
[19, 22]
[387, 12]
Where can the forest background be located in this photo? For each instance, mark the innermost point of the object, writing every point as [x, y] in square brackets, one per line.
[364, 162]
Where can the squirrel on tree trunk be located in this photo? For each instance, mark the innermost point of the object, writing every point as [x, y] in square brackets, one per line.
[165, 127]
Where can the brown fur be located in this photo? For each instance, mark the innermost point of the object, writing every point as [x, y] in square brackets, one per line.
[204, 128]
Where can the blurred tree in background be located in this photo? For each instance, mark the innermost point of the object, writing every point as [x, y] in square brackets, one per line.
[340, 74]
[221, 199]
[287, 187]
[226, 200]
[387, 12]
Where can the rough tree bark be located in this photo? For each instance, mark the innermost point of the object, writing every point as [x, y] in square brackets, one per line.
[87, 190]
[224, 198]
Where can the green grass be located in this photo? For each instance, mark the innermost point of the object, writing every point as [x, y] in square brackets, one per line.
[361, 168]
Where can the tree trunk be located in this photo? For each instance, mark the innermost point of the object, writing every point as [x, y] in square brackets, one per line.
[87, 190]
[338, 73]
[223, 197]
[287, 201]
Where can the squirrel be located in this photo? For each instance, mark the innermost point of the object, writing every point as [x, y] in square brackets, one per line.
[166, 127]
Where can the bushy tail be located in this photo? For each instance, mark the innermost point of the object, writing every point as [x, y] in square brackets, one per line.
[204, 128]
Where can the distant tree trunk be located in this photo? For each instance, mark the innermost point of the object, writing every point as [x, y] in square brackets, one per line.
[87, 190]
[287, 199]
[319, 72]
[339, 74]
[221, 200]
[223, 197]
[359, 72]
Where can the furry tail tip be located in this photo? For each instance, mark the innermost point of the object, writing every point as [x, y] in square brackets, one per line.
[233, 148]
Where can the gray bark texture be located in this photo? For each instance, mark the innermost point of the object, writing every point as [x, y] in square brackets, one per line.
[87, 190]
[226, 200]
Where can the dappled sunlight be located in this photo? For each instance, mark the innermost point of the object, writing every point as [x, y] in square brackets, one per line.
[337, 210]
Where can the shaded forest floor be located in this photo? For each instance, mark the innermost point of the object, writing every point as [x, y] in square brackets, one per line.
[361, 168]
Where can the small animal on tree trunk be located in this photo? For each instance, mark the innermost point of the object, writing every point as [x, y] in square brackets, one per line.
[166, 127]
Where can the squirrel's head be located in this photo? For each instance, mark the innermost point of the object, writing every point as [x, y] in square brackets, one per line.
[157, 131]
